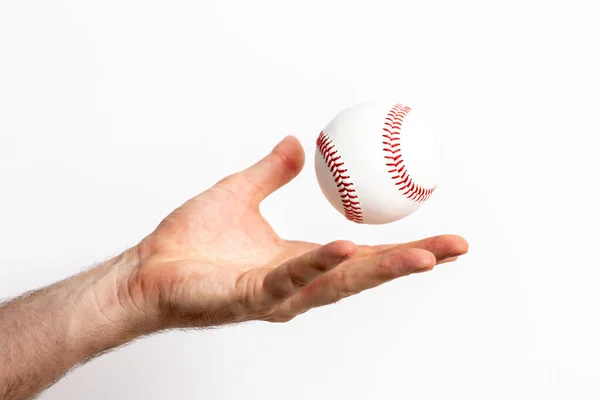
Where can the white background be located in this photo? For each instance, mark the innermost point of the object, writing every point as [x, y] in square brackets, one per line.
[112, 113]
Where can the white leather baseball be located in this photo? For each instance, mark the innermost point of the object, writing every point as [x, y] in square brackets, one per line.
[376, 162]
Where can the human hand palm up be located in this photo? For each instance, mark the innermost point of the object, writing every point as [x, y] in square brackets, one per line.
[216, 260]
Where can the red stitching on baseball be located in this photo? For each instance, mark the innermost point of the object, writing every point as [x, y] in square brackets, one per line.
[394, 160]
[340, 176]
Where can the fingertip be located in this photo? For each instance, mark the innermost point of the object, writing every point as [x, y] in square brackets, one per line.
[342, 248]
[426, 263]
[289, 140]
[463, 245]
[409, 260]
[423, 259]
[280, 166]
[347, 248]
[291, 153]
[442, 246]
[459, 244]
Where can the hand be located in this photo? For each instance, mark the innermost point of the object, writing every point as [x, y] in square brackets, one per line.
[216, 260]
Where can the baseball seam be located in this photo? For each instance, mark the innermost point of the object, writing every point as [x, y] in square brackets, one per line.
[394, 160]
[341, 178]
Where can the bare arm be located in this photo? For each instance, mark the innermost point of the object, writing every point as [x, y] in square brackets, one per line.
[213, 261]
[46, 333]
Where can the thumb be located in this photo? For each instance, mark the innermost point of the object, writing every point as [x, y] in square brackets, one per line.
[273, 171]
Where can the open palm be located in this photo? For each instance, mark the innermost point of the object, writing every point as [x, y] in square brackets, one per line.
[216, 260]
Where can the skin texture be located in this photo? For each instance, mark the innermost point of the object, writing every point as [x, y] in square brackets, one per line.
[215, 260]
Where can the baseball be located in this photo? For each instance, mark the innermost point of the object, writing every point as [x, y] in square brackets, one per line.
[376, 162]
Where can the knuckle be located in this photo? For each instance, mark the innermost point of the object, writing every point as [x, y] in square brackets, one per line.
[345, 287]
[385, 267]
[321, 265]
[384, 263]
[297, 280]
[229, 181]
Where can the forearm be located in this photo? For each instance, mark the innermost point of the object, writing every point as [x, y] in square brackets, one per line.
[46, 333]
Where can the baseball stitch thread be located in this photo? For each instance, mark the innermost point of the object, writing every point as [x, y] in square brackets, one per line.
[395, 161]
[342, 179]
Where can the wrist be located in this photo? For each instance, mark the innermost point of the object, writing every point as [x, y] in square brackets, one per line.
[47, 332]
[107, 315]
